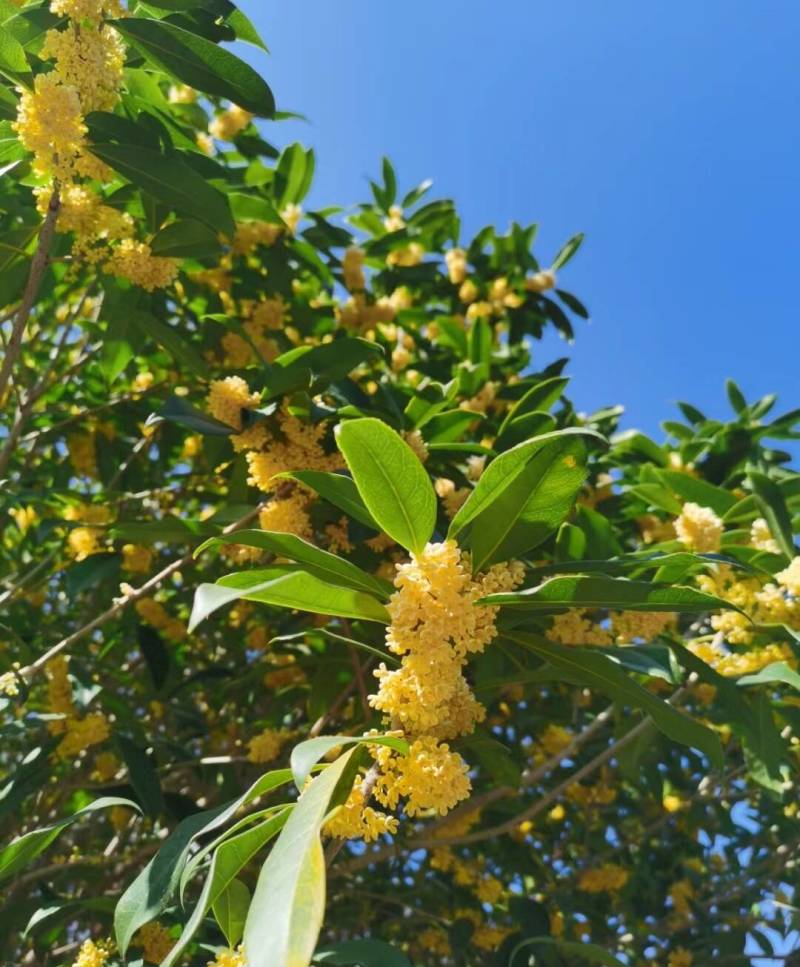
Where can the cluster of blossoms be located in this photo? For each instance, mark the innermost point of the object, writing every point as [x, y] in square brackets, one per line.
[85, 539]
[608, 878]
[154, 613]
[88, 57]
[267, 745]
[92, 954]
[291, 445]
[78, 732]
[435, 626]
[699, 528]
[155, 941]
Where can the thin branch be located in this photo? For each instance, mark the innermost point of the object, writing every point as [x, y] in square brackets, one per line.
[39, 264]
[122, 604]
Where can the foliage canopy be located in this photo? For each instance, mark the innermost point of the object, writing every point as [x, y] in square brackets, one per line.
[331, 632]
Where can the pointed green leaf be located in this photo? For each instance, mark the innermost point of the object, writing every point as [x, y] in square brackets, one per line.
[392, 482]
[200, 63]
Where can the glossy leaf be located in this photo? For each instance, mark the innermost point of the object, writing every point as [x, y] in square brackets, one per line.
[390, 480]
[199, 63]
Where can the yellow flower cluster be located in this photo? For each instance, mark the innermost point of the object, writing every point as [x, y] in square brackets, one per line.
[156, 615]
[434, 940]
[681, 892]
[628, 626]
[456, 261]
[240, 352]
[287, 515]
[92, 954]
[767, 604]
[229, 958]
[78, 733]
[451, 496]
[357, 820]
[84, 541]
[574, 628]
[155, 941]
[407, 256]
[136, 559]
[541, 281]
[267, 746]
[50, 125]
[761, 537]
[228, 124]
[680, 957]
[732, 663]
[789, 578]
[228, 397]
[338, 535]
[9, 684]
[435, 626]
[608, 878]
[82, 453]
[353, 268]
[250, 235]
[602, 793]
[135, 262]
[93, 10]
[88, 57]
[699, 528]
[300, 448]
[92, 66]
[485, 936]
[470, 873]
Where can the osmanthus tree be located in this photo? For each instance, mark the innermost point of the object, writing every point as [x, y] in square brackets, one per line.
[331, 632]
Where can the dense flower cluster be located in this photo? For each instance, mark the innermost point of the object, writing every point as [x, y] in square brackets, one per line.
[155, 941]
[699, 528]
[88, 57]
[267, 745]
[608, 878]
[92, 954]
[156, 615]
[78, 732]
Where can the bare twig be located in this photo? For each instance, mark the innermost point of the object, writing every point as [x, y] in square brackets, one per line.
[39, 264]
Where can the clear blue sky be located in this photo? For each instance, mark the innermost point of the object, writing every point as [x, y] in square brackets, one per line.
[667, 131]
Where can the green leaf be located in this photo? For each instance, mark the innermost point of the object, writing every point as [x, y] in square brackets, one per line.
[289, 175]
[245, 31]
[117, 350]
[522, 497]
[230, 911]
[323, 564]
[392, 482]
[286, 587]
[589, 591]
[178, 410]
[698, 491]
[778, 671]
[502, 472]
[587, 666]
[289, 902]
[186, 238]
[567, 251]
[200, 63]
[169, 339]
[584, 951]
[12, 55]
[22, 851]
[228, 860]
[772, 505]
[338, 490]
[170, 180]
[152, 890]
[361, 953]
[539, 397]
[307, 754]
[735, 397]
[143, 776]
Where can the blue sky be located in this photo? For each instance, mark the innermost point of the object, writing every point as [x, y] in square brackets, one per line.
[667, 131]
